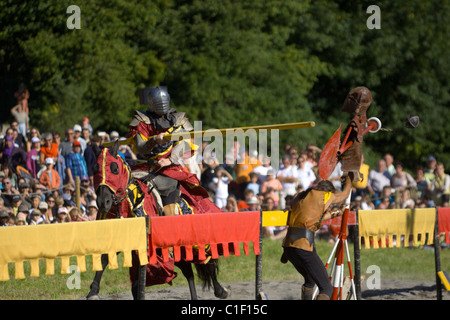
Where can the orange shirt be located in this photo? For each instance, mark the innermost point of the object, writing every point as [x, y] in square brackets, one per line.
[50, 153]
[243, 170]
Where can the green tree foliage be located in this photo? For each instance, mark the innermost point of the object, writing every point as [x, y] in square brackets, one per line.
[235, 63]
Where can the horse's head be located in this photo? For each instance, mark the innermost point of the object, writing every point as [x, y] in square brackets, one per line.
[111, 177]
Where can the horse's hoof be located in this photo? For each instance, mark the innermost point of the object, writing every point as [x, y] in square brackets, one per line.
[93, 297]
[223, 294]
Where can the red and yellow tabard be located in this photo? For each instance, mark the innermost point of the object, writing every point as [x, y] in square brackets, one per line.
[306, 213]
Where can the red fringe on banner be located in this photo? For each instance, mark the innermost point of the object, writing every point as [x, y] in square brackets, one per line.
[218, 230]
[444, 222]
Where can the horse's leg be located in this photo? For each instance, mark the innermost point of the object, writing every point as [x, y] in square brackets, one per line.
[186, 268]
[95, 286]
[219, 291]
[139, 278]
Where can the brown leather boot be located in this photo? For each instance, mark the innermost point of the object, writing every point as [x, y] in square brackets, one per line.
[307, 293]
[323, 296]
[170, 209]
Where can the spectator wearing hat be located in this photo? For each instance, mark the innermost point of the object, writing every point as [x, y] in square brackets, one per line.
[77, 137]
[21, 222]
[114, 135]
[75, 164]
[50, 177]
[22, 211]
[35, 217]
[35, 201]
[63, 215]
[92, 210]
[24, 189]
[253, 204]
[49, 149]
[33, 157]
[430, 169]
[4, 217]
[86, 125]
[46, 213]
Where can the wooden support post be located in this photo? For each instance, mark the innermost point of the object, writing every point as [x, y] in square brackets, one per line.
[437, 258]
[77, 192]
[357, 255]
[142, 270]
[258, 268]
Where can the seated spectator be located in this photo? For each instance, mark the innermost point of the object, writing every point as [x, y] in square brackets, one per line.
[33, 133]
[430, 169]
[63, 215]
[384, 203]
[378, 179]
[386, 192]
[254, 184]
[13, 156]
[49, 149]
[33, 157]
[366, 203]
[253, 204]
[271, 187]
[9, 173]
[4, 218]
[50, 177]
[35, 217]
[401, 179]
[242, 204]
[231, 205]
[76, 215]
[423, 184]
[405, 200]
[46, 213]
[22, 212]
[441, 185]
[92, 210]
[8, 192]
[263, 169]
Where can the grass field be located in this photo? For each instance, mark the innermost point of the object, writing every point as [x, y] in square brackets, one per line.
[395, 263]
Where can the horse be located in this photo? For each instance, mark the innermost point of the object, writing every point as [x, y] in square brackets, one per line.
[113, 201]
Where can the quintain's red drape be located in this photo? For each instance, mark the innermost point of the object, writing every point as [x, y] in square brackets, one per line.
[444, 222]
[213, 229]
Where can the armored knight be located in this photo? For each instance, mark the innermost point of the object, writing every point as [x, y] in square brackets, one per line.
[163, 156]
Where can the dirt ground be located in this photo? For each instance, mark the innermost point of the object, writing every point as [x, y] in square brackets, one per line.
[291, 290]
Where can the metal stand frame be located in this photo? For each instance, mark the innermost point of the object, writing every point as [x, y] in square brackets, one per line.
[337, 269]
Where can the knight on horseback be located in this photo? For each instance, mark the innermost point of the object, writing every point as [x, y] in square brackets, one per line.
[162, 168]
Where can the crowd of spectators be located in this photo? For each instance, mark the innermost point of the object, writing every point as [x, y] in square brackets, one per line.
[256, 184]
[38, 171]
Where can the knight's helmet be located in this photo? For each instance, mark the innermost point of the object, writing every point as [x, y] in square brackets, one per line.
[159, 100]
[357, 101]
